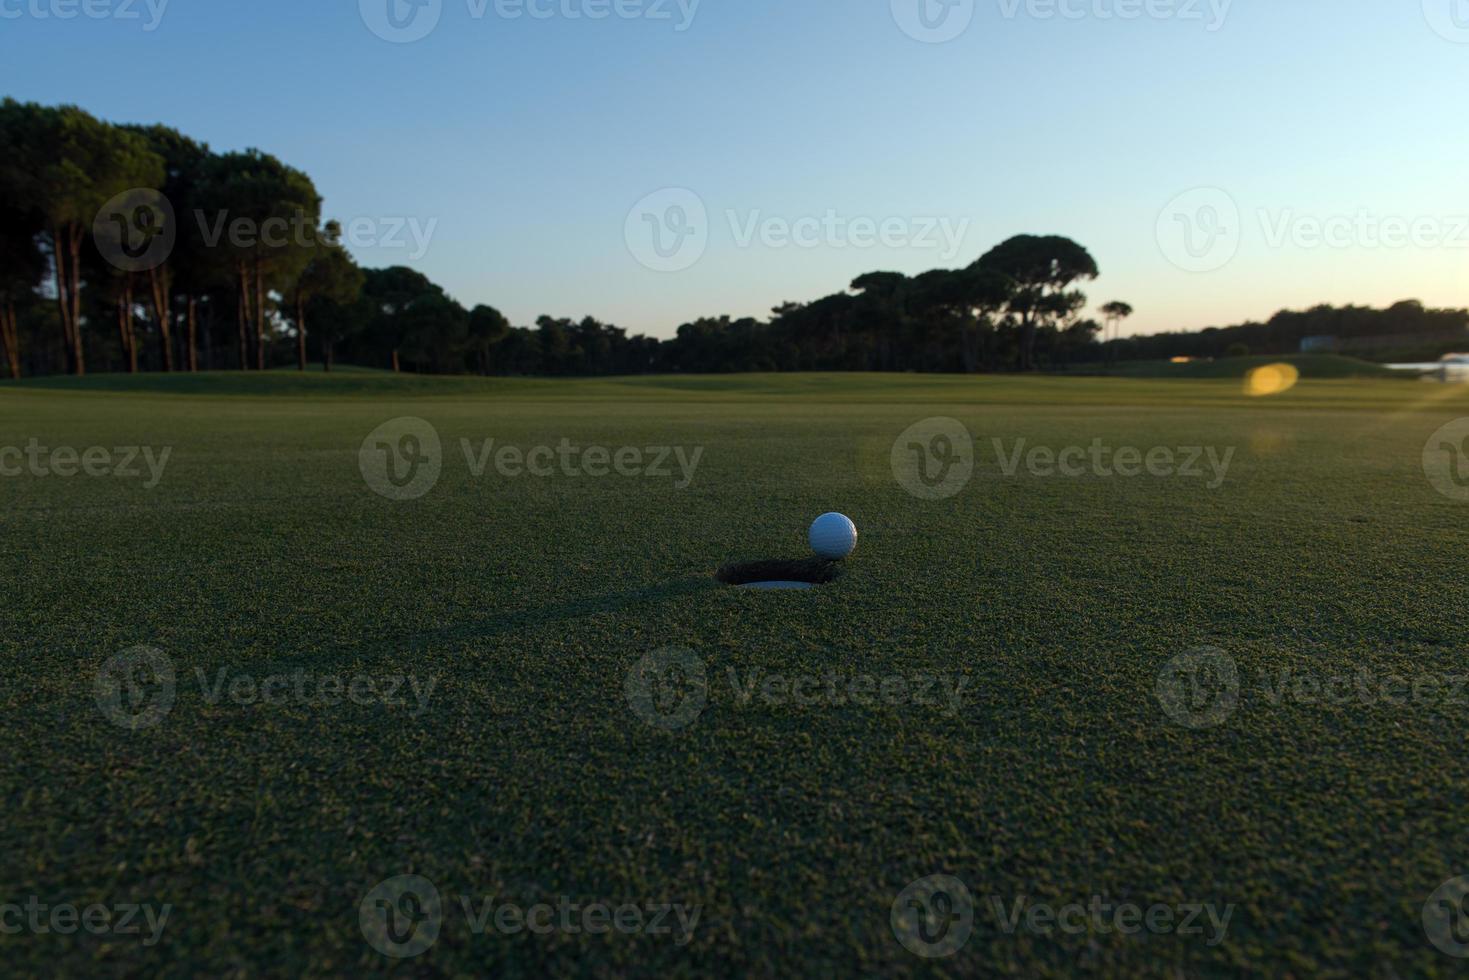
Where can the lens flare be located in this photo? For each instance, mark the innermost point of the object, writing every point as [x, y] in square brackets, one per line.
[1272, 379]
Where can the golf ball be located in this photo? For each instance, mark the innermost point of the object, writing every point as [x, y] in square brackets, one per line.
[833, 536]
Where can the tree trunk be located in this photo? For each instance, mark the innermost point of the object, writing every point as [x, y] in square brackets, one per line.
[75, 285]
[122, 328]
[259, 317]
[132, 332]
[193, 333]
[326, 355]
[59, 254]
[397, 364]
[10, 329]
[163, 313]
[301, 331]
[207, 335]
[242, 315]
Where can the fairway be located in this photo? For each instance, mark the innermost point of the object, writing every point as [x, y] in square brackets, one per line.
[455, 673]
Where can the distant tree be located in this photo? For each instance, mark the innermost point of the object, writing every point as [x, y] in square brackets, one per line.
[519, 352]
[1114, 313]
[488, 328]
[263, 214]
[64, 165]
[410, 316]
[112, 295]
[555, 343]
[883, 314]
[433, 332]
[964, 303]
[330, 277]
[1076, 339]
[21, 267]
[1042, 270]
[183, 169]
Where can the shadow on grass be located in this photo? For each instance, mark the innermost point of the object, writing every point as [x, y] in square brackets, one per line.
[558, 612]
[810, 571]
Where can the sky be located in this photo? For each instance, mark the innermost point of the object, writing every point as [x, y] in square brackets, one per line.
[648, 162]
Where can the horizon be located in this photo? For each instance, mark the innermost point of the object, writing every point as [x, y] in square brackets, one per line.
[758, 169]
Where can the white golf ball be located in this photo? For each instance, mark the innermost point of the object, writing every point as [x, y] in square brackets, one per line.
[833, 536]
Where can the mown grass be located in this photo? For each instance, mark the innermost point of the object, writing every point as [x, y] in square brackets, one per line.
[527, 601]
[1311, 366]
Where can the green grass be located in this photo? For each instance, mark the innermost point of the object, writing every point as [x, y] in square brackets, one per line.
[1311, 366]
[793, 827]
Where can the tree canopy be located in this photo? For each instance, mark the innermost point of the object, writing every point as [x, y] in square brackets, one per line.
[135, 247]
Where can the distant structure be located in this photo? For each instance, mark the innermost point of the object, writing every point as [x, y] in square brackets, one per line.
[1454, 369]
[1450, 369]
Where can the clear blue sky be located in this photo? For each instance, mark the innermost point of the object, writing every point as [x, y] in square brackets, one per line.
[529, 140]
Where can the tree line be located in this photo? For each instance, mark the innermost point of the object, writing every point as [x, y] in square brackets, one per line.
[132, 248]
[1405, 331]
[114, 257]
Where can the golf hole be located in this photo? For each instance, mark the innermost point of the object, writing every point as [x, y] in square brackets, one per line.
[804, 573]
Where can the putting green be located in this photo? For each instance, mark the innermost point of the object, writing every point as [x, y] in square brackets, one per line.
[513, 674]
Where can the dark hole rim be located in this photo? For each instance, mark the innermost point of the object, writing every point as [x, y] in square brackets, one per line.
[813, 571]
